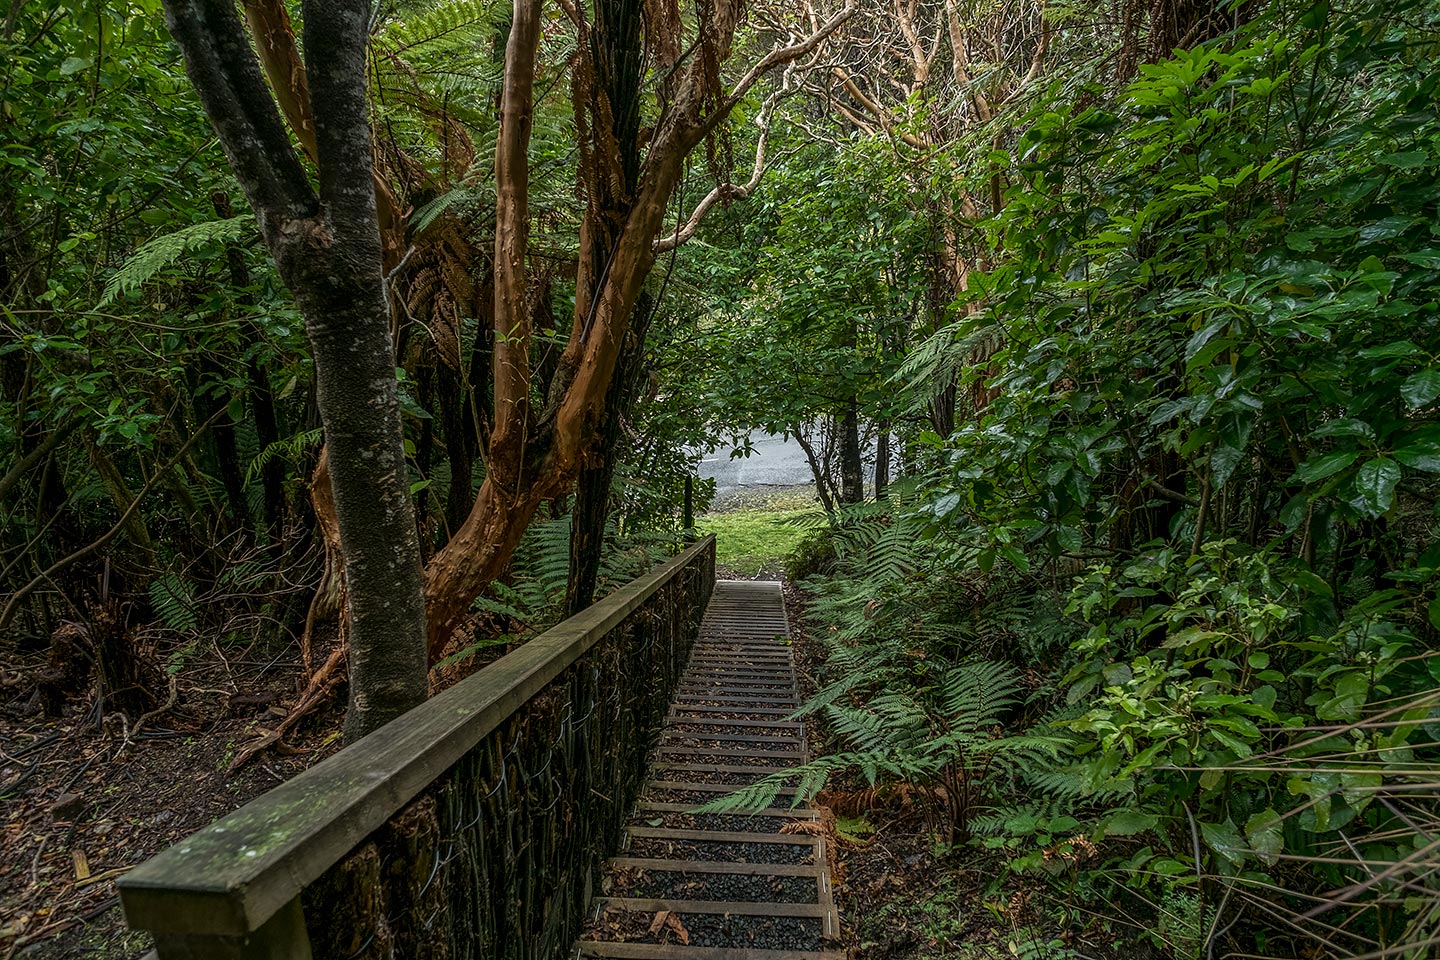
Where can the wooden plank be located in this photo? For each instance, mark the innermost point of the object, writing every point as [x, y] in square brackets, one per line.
[715, 767]
[722, 836]
[733, 908]
[665, 951]
[717, 866]
[707, 787]
[722, 737]
[724, 722]
[690, 701]
[730, 752]
[722, 706]
[233, 875]
[801, 813]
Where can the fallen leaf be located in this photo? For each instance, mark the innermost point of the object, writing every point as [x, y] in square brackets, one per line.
[672, 920]
[82, 864]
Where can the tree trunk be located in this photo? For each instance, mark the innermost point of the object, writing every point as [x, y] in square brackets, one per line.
[852, 470]
[592, 489]
[123, 500]
[327, 248]
[227, 456]
[817, 470]
[262, 398]
[882, 458]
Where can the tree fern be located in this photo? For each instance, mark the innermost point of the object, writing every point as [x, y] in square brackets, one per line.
[456, 21]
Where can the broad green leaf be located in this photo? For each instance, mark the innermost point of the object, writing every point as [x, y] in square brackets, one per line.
[1266, 833]
[1326, 466]
[1421, 455]
[1224, 838]
[1127, 823]
[1375, 484]
[1420, 389]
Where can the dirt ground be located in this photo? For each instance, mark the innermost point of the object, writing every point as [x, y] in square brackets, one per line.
[81, 805]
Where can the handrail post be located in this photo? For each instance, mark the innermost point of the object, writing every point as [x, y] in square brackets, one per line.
[282, 937]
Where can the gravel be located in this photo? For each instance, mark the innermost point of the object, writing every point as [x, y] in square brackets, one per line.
[665, 849]
[714, 930]
[730, 887]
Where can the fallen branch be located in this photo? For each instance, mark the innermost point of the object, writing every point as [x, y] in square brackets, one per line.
[316, 692]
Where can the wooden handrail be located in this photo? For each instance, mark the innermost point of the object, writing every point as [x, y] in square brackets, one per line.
[242, 872]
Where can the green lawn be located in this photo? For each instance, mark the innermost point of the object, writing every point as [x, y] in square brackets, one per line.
[755, 539]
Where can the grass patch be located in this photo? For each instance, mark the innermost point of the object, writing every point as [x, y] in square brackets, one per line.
[752, 541]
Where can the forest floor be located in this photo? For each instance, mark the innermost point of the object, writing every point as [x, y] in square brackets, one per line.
[81, 806]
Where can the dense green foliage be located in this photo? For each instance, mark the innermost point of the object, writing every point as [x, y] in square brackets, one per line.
[1191, 524]
[1149, 626]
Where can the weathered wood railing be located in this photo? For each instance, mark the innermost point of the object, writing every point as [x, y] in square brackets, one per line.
[470, 827]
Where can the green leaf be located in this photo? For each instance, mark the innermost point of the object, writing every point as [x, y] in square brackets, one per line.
[1390, 351]
[1421, 455]
[1429, 259]
[1386, 229]
[1224, 839]
[1266, 833]
[1420, 389]
[1375, 484]
[1326, 466]
[1127, 823]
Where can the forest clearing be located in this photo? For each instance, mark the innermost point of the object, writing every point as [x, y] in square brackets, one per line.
[719, 479]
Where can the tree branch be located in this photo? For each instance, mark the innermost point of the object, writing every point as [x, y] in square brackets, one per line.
[776, 57]
[876, 110]
[227, 78]
[730, 191]
[42, 450]
[512, 235]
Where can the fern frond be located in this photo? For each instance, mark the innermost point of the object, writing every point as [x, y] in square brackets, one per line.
[455, 21]
[152, 257]
[289, 448]
[173, 598]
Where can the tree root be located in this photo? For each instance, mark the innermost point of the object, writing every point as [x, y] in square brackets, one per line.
[322, 684]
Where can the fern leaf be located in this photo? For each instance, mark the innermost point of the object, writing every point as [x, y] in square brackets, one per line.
[152, 257]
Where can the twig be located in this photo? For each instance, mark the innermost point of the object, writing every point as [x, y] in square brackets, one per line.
[8, 613]
[168, 705]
